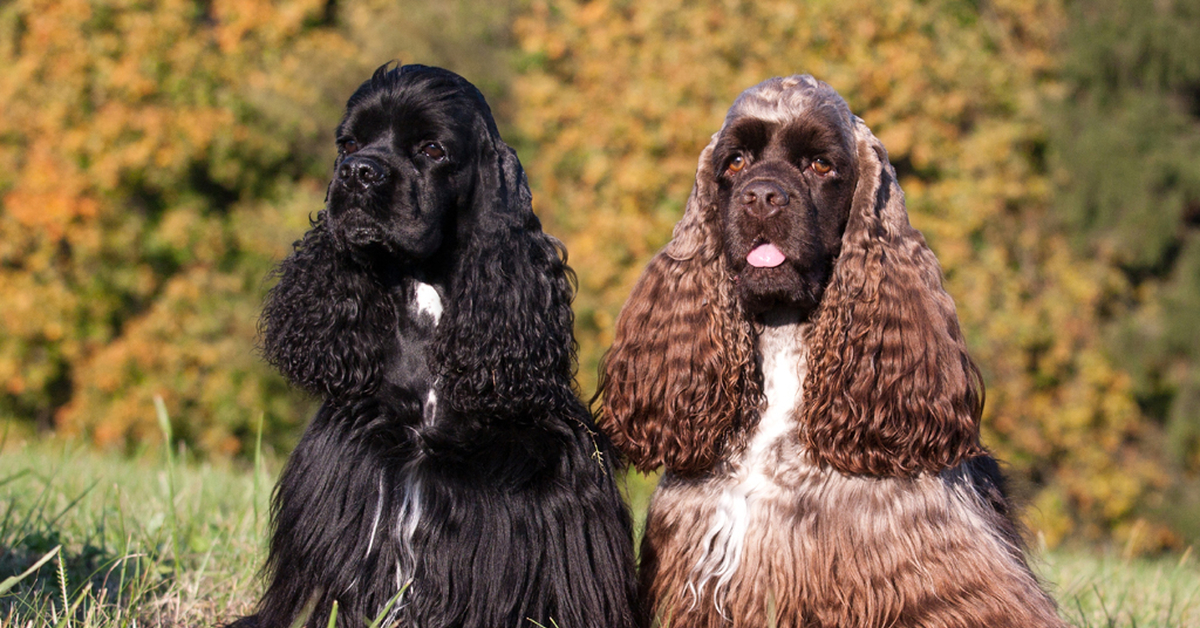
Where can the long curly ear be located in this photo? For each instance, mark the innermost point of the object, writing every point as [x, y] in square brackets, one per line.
[506, 345]
[890, 389]
[326, 325]
[680, 377]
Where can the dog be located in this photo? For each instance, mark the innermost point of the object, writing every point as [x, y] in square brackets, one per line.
[451, 477]
[793, 362]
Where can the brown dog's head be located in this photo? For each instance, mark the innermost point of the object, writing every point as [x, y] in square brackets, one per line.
[795, 208]
[785, 170]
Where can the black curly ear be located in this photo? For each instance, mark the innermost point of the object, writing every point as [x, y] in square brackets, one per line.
[890, 389]
[680, 377]
[327, 325]
[506, 344]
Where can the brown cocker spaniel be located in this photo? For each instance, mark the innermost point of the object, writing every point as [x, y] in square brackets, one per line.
[794, 363]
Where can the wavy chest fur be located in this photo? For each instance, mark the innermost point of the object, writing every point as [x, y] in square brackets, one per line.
[751, 480]
[768, 537]
[425, 311]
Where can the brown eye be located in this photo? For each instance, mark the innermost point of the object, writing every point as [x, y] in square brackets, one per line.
[433, 151]
[821, 166]
[736, 164]
[348, 147]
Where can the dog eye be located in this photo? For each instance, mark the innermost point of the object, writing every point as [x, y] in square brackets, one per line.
[736, 164]
[821, 166]
[434, 151]
[347, 147]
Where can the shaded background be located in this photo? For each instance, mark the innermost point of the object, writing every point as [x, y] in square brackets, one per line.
[156, 159]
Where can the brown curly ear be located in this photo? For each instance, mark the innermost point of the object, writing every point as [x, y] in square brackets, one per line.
[678, 378]
[890, 389]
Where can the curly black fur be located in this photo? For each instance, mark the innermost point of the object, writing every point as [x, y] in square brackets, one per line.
[451, 450]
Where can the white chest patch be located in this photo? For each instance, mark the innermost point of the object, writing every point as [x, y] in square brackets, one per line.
[429, 409]
[427, 301]
[783, 361]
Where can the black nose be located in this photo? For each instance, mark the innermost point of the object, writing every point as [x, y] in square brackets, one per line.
[361, 171]
[763, 199]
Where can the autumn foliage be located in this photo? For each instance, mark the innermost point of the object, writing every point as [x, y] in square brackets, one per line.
[156, 158]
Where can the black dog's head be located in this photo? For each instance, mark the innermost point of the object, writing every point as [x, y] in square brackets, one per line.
[425, 194]
[408, 152]
[785, 174]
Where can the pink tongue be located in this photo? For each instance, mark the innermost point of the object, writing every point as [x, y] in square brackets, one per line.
[765, 256]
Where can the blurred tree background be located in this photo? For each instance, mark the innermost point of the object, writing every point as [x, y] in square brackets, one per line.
[156, 158]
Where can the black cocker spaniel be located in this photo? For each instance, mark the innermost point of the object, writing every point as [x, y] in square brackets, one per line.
[451, 458]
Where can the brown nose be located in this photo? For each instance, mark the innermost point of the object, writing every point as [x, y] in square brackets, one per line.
[763, 199]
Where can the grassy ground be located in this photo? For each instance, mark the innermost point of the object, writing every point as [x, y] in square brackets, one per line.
[142, 542]
[154, 540]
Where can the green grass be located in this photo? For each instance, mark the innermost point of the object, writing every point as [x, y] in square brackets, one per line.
[147, 541]
[1106, 590]
[131, 555]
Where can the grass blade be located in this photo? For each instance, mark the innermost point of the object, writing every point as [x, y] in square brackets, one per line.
[257, 465]
[164, 423]
[13, 581]
[307, 610]
[16, 476]
[387, 610]
[333, 616]
[62, 587]
[65, 622]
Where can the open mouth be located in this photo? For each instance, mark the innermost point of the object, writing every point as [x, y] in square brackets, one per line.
[765, 255]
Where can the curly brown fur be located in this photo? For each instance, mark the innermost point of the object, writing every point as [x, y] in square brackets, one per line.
[677, 380]
[892, 390]
[793, 361]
